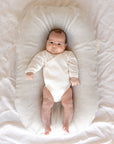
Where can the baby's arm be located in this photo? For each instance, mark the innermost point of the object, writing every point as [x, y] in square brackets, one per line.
[73, 69]
[35, 65]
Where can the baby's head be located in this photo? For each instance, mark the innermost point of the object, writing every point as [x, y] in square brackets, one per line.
[56, 41]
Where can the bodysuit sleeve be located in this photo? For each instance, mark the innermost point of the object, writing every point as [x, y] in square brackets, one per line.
[36, 63]
[72, 65]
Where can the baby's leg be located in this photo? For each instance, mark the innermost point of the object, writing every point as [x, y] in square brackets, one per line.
[67, 103]
[47, 104]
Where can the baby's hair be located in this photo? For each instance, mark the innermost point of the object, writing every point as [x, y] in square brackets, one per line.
[58, 31]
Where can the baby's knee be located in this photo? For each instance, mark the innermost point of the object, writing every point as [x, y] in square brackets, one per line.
[47, 103]
[67, 103]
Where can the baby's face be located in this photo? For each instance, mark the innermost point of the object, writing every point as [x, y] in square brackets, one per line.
[56, 43]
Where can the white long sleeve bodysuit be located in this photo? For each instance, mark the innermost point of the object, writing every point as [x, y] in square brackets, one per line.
[57, 71]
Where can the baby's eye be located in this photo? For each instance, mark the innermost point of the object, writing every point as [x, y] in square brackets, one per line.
[51, 42]
[59, 43]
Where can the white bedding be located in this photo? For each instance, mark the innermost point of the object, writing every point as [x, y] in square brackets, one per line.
[102, 129]
[33, 32]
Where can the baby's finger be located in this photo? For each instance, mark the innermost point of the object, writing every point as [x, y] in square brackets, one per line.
[74, 84]
[27, 78]
[31, 77]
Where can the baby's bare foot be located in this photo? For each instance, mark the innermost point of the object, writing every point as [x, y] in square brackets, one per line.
[47, 131]
[65, 128]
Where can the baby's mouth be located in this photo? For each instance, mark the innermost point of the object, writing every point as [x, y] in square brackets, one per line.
[54, 50]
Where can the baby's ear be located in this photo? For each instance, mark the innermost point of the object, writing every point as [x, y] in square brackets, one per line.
[65, 45]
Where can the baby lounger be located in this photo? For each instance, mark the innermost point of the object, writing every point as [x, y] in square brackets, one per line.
[33, 31]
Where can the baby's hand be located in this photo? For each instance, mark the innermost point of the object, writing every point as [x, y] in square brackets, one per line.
[74, 81]
[29, 76]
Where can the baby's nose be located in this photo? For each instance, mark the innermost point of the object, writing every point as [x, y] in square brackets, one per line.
[54, 44]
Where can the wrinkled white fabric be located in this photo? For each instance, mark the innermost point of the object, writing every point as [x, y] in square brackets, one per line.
[57, 71]
[12, 131]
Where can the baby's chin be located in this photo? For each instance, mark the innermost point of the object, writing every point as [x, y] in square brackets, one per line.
[55, 52]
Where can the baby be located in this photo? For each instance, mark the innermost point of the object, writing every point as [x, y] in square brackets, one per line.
[60, 71]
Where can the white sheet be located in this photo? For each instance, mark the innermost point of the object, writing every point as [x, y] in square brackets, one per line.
[102, 129]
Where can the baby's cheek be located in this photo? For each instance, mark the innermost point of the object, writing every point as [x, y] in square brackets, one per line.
[48, 47]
